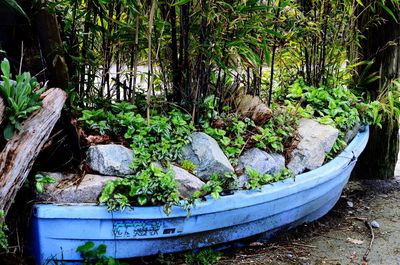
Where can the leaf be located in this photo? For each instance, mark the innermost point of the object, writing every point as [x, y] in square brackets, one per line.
[8, 132]
[5, 67]
[14, 5]
[181, 2]
[390, 12]
[39, 187]
[142, 200]
[360, 3]
[101, 250]
[86, 247]
[354, 241]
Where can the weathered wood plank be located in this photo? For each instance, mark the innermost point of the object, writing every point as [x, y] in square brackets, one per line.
[20, 152]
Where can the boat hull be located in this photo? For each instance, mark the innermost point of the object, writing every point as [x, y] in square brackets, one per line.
[57, 230]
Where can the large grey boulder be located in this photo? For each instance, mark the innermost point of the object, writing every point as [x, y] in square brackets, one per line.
[316, 140]
[187, 183]
[68, 189]
[110, 159]
[261, 161]
[205, 153]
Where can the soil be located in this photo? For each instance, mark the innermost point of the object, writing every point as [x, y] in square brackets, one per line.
[342, 236]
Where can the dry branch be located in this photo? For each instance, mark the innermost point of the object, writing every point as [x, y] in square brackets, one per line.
[2, 106]
[1, 109]
[20, 152]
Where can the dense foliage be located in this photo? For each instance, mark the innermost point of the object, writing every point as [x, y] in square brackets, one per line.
[199, 48]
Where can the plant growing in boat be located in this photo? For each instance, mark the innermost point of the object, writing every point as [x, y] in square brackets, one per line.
[188, 165]
[256, 179]
[151, 186]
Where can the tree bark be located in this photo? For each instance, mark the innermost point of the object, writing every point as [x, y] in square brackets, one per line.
[50, 43]
[19, 154]
[380, 156]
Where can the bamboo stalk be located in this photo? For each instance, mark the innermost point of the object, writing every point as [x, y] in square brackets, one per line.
[149, 63]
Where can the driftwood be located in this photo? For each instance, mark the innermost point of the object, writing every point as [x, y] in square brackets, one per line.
[20, 152]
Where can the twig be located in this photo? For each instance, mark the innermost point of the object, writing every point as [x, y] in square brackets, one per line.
[22, 57]
[365, 257]
[303, 245]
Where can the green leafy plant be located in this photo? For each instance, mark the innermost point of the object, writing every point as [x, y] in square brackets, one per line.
[22, 97]
[188, 165]
[151, 186]
[230, 137]
[42, 180]
[160, 141]
[3, 230]
[96, 255]
[216, 185]
[256, 179]
[202, 257]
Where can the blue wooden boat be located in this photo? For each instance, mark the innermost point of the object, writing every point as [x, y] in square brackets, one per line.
[58, 230]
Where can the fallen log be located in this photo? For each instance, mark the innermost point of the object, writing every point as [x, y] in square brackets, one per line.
[20, 152]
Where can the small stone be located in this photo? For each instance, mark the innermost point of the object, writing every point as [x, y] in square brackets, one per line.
[188, 184]
[256, 244]
[350, 204]
[110, 159]
[207, 156]
[253, 107]
[374, 224]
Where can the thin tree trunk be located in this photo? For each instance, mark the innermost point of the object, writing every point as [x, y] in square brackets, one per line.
[49, 37]
[380, 157]
[20, 152]
[150, 67]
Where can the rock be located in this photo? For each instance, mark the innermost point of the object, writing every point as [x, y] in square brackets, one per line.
[350, 204]
[352, 132]
[110, 159]
[187, 183]
[252, 107]
[374, 224]
[315, 140]
[66, 190]
[205, 153]
[261, 114]
[261, 161]
[240, 182]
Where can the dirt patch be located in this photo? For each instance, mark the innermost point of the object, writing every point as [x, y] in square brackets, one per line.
[341, 237]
